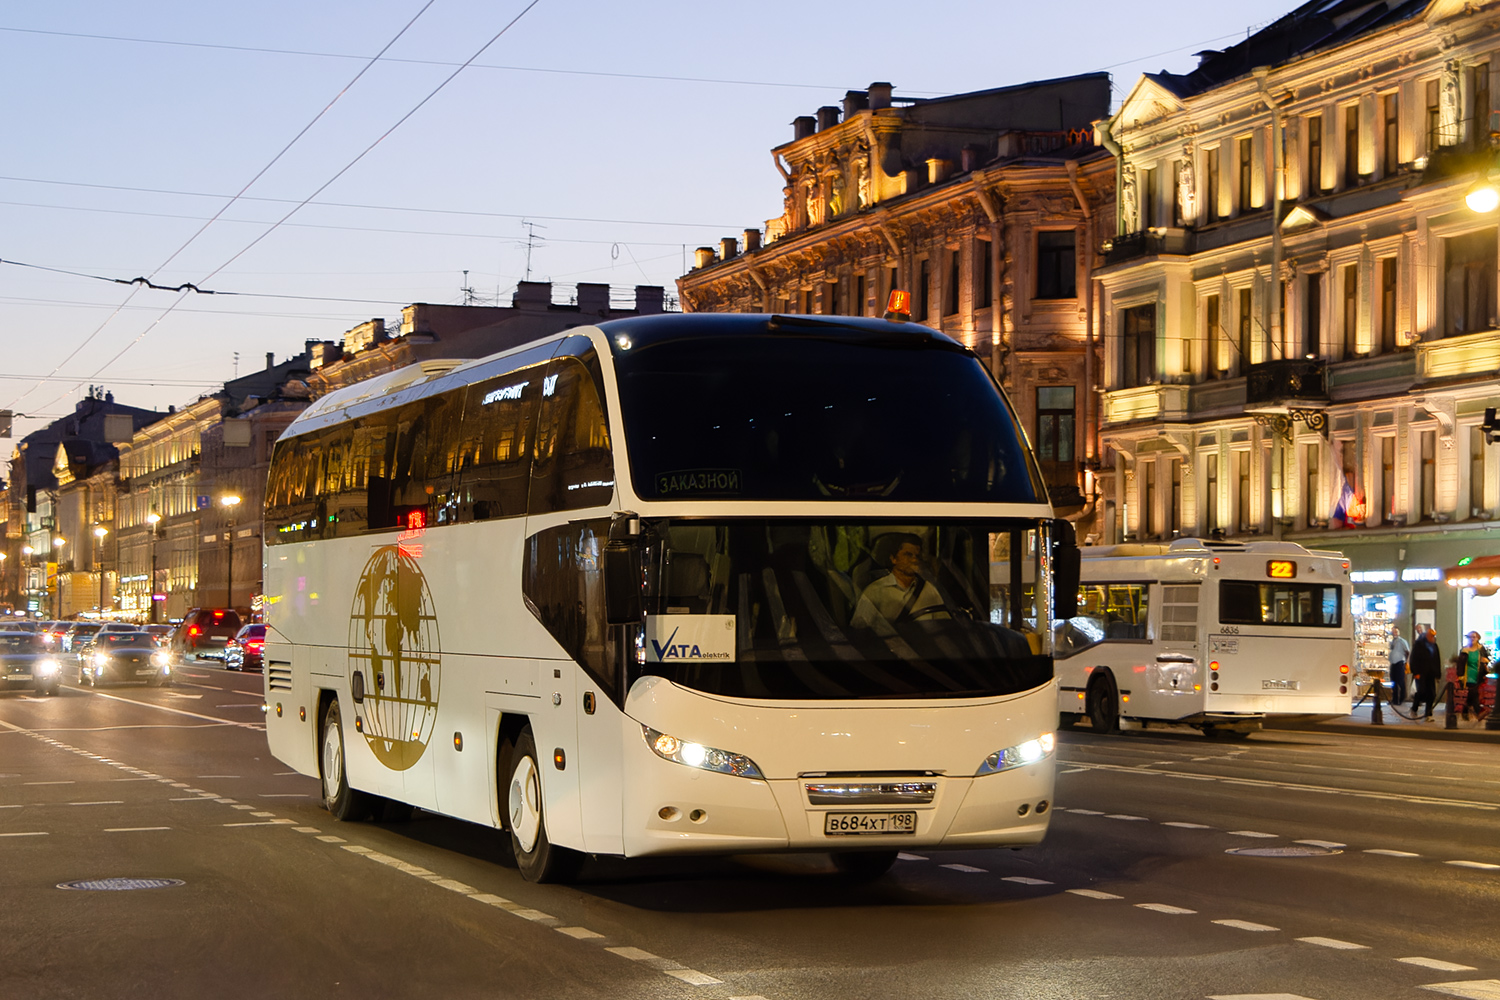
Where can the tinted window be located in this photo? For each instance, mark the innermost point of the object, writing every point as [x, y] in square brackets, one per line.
[1106, 612]
[495, 446]
[1315, 604]
[564, 589]
[897, 416]
[21, 644]
[574, 468]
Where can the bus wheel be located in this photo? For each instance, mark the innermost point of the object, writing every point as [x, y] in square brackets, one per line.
[345, 803]
[1214, 732]
[1104, 704]
[537, 857]
[863, 865]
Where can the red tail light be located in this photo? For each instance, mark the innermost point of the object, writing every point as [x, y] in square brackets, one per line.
[256, 644]
[193, 630]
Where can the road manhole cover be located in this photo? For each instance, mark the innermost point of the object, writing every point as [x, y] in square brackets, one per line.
[1294, 851]
[118, 884]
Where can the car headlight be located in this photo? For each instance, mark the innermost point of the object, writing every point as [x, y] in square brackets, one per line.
[100, 659]
[160, 659]
[1023, 753]
[697, 755]
[46, 668]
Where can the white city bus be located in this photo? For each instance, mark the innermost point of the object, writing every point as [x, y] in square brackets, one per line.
[1215, 635]
[699, 583]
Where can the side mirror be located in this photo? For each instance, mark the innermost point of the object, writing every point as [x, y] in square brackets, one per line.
[622, 583]
[1067, 569]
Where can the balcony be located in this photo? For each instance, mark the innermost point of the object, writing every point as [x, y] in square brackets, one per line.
[1470, 356]
[1296, 383]
[1148, 243]
[1146, 403]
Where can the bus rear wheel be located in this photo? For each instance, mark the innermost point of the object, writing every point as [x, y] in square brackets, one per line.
[538, 859]
[1104, 704]
[344, 803]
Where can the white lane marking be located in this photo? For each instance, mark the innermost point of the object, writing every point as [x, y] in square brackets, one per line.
[1023, 880]
[1076, 770]
[243, 704]
[634, 954]
[284, 795]
[1438, 964]
[1190, 777]
[1189, 826]
[48, 782]
[130, 779]
[16, 805]
[202, 777]
[1164, 908]
[284, 774]
[1253, 833]
[1086, 812]
[1245, 925]
[755, 996]
[1258, 996]
[910, 857]
[183, 784]
[263, 815]
[454, 886]
[1335, 943]
[265, 822]
[106, 802]
[243, 807]
[191, 798]
[329, 838]
[1392, 854]
[964, 868]
[1474, 989]
[1094, 894]
[180, 711]
[306, 829]
[1332, 845]
[182, 694]
[1133, 819]
[692, 977]
[226, 802]
[27, 833]
[581, 933]
[134, 829]
[1473, 864]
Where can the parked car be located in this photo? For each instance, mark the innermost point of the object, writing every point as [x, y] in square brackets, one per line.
[205, 631]
[243, 652]
[27, 661]
[125, 656]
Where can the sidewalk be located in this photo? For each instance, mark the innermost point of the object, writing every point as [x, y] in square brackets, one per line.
[1395, 725]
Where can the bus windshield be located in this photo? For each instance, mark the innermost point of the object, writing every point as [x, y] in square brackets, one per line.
[834, 610]
[862, 414]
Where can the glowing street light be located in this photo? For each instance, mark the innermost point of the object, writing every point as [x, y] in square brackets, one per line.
[99, 532]
[229, 502]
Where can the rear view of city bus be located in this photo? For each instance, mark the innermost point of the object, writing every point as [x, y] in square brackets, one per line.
[780, 583]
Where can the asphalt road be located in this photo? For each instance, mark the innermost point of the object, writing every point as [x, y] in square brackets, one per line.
[1384, 881]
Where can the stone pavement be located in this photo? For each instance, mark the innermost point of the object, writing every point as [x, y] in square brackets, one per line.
[1397, 723]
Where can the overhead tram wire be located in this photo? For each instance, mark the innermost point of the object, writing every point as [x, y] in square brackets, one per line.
[343, 170]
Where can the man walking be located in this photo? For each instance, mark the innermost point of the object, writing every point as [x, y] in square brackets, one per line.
[1399, 652]
[1426, 664]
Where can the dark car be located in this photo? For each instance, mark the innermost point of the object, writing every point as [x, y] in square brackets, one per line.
[161, 633]
[205, 632]
[27, 661]
[125, 656]
[77, 635]
[243, 652]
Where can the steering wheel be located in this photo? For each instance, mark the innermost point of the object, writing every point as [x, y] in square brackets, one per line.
[931, 609]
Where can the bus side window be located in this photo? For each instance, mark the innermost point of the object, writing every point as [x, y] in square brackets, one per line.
[495, 449]
[564, 585]
[574, 467]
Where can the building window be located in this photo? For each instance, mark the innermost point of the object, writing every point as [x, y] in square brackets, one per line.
[1149, 218]
[1312, 326]
[1148, 499]
[1174, 505]
[1389, 111]
[1242, 474]
[1055, 419]
[1469, 283]
[1245, 174]
[1479, 86]
[1351, 145]
[1310, 483]
[1211, 493]
[859, 306]
[1056, 265]
[1350, 281]
[1429, 475]
[983, 292]
[831, 291]
[1315, 154]
[805, 304]
[950, 294]
[1213, 335]
[1139, 342]
[893, 283]
[1247, 328]
[1476, 471]
[1434, 117]
[1388, 477]
[1211, 208]
[1388, 304]
[923, 289]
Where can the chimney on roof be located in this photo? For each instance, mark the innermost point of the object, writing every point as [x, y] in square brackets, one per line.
[828, 117]
[593, 298]
[703, 257]
[938, 170]
[969, 158]
[855, 101]
[532, 294]
[803, 126]
[729, 248]
[880, 96]
[752, 240]
[648, 299]
[270, 360]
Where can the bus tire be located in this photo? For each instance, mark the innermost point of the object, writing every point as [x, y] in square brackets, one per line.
[1214, 732]
[863, 866]
[1104, 703]
[346, 804]
[538, 859]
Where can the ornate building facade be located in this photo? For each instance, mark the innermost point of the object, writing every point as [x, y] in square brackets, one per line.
[987, 207]
[1299, 307]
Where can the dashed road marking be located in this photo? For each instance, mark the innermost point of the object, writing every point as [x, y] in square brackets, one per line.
[1124, 816]
[1473, 864]
[903, 856]
[965, 868]
[329, 838]
[1086, 812]
[262, 815]
[1246, 925]
[1476, 989]
[106, 802]
[244, 807]
[284, 795]
[692, 977]
[581, 933]
[1076, 770]
[1392, 854]
[26, 833]
[1331, 845]
[134, 829]
[1253, 833]
[1258, 996]
[1189, 826]
[634, 954]
[48, 782]
[1335, 943]
[1023, 880]
[1438, 964]
[306, 829]
[1094, 894]
[265, 822]
[1165, 908]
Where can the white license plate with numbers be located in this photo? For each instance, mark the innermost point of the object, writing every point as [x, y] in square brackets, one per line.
[854, 824]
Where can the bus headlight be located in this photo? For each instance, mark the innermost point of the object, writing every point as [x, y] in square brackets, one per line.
[1024, 753]
[46, 668]
[697, 755]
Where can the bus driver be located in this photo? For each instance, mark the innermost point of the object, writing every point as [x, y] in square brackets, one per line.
[901, 594]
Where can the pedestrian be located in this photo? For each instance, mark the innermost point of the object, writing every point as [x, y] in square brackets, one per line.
[1473, 665]
[1399, 653]
[1425, 663]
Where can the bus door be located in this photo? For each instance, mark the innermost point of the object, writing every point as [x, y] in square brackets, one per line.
[1175, 676]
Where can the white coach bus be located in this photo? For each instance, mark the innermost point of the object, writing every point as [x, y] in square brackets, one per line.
[699, 583]
[1216, 635]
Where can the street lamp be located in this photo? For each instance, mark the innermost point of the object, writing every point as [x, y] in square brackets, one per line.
[230, 502]
[99, 532]
[57, 543]
[153, 519]
[26, 551]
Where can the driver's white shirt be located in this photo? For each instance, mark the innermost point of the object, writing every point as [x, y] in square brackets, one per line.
[886, 597]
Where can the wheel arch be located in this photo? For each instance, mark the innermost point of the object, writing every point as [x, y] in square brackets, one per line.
[508, 730]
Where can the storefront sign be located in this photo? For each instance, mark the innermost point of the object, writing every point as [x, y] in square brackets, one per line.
[1421, 574]
[1373, 576]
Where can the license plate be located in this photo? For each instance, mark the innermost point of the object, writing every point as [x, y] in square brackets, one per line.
[854, 824]
[1266, 685]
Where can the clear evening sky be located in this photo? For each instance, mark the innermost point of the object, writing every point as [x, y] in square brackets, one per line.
[629, 133]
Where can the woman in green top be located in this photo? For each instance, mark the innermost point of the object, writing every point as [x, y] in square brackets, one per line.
[1473, 664]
